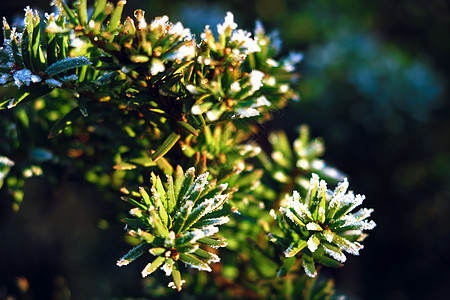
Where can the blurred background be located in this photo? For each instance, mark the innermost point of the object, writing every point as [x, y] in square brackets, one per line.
[374, 84]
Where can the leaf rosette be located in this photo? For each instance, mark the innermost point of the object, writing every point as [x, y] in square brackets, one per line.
[321, 226]
[177, 223]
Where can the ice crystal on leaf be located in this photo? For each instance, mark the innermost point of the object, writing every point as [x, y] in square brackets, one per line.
[228, 24]
[244, 39]
[256, 78]
[53, 82]
[293, 59]
[180, 31]
[25, 76]
[159, 23]
[157, 67]
[4, 78]
[247, 112]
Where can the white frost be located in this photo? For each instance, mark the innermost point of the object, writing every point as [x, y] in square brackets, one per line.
[159, 23]
[6, 161]
[228, 23]
[235, 87]
[313, 243]
[179, 30]
[167, 268]
[256, 78]
[244, 39]
[259, 28]
[247, 112]
[313, 227]
[172, 284]
[261, 101]
[293, 59]
[25, 76]
[337, 255]
[157, 67]
[4, 78]
[53, 82]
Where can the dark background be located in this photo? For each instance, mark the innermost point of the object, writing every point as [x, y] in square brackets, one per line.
[374, 85]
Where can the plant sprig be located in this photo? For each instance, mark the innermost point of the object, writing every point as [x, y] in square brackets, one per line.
[177, 222]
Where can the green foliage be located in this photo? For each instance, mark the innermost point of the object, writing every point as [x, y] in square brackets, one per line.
[126, 102]
[320, 226]
[175, 221]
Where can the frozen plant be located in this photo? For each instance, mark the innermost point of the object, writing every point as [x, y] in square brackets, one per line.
[130, 103]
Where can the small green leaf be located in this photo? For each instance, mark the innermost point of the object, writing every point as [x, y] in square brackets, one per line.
[157, 251]
[82, 12]
[176, 276]
[325, 260]
[216, 215]
[308, 264]
[164, 166]
[180, 217]
[295, 248]
[143, 161]
[344, 210]
[197, 120]
[186, 184]
[62, 46]
[99, 7]
[25, 94]
[197, 213]
[159, 199]
[346, 245]
[194, 262]
[68, 119]
[166, 146]
[157, 183]
[213, 242]
[68, 13]
[170, 194]
[34, 91]
[210, 257]
[197, 187]
[188, 127]
[139, 58]
[157, 224]
[331, 251]
[66, 64]
[134, 203]
[153, 266]
[178, 182]
[286, 267]
[133, 223]
[114, 21]
[148, 237]
[133, 254]
[214, 191]
[37, 55]
[124, 166]
[186, 248]
[26, 49]
[171, 81]
[145, 197]
[293, 217]
[189, 237]
[15, 51]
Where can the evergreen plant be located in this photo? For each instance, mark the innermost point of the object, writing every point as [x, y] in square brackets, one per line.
[173, 125]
